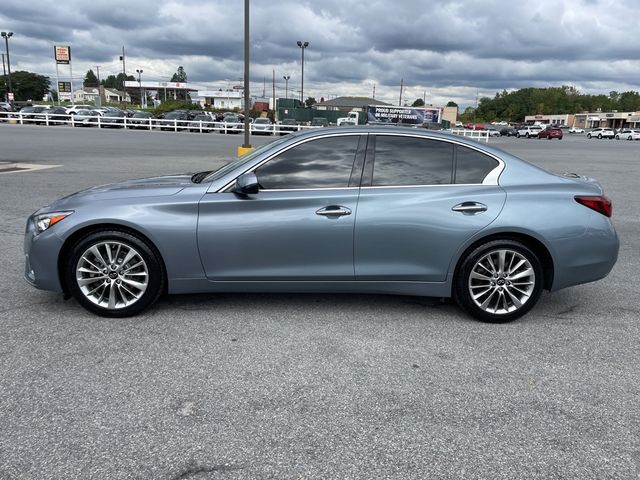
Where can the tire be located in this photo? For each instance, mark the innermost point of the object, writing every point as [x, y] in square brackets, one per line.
[469, 278]
[108, 290]
[589, 136]
[528, 135]
[517, 135]
[599, 136]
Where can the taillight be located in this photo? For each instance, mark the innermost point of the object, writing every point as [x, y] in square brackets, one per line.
[600, 203]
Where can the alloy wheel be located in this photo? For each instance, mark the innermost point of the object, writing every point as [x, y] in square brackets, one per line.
[112, 275]
[501, 281]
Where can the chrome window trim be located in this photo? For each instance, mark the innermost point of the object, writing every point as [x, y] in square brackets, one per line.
[490, 179]
[304, 140]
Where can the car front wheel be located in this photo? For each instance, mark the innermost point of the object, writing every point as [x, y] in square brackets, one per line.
[499, 281]
[589, 136]
[114, 273]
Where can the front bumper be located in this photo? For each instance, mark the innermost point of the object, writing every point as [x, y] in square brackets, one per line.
[41, 258]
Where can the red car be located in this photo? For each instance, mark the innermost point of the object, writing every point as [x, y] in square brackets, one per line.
[473, 126]
[551, 132]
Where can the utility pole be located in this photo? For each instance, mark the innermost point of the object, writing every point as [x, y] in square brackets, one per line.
[139, 71]
[374, 91]
[273, 82]
[99, 86]
[424, 98]
[286, 85]
[401, 84]
[4, 77]
[246, 146]
[7, 36]
[124, 74]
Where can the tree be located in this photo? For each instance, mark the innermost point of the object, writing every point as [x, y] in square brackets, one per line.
[451, 103]
[26, 85]
[310, 101]
[179, 76]
[117, 81]
[418, 102]
[90, 79]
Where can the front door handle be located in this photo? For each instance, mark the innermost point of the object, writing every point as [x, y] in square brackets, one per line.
[333, 211]
[470, 208]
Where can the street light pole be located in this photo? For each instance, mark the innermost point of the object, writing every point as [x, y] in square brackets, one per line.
[139, 72]
[302, 47]
[6, 36]
[286, 85]
[246, 144]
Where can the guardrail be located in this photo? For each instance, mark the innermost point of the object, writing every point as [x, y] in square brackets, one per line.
[477, 134]
[103, 121]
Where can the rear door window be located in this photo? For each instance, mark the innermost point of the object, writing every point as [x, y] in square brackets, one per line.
[403, 161]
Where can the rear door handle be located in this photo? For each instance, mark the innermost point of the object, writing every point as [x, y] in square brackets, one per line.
[470, 208]
[333, 211]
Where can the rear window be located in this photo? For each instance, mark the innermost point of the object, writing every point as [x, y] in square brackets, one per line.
[472, 166]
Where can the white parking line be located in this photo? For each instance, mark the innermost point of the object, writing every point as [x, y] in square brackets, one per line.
[11, 167]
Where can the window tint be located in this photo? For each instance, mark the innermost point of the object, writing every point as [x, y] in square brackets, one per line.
[472, 166]
[322, 163]
[411, 161]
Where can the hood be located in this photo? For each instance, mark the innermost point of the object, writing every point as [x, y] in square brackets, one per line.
[145, 187]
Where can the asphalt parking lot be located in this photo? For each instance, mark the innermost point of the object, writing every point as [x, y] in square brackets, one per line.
[243, 386]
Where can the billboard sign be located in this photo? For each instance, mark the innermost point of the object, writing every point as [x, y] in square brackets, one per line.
[402, 115]
[62, 54]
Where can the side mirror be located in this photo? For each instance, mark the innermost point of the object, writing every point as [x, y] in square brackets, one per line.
[247, 184]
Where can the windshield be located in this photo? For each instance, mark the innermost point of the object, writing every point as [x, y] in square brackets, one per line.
[215, 175]
[141, 115]
[172, 115]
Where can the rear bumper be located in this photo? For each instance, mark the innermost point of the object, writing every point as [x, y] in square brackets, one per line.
[588, 258]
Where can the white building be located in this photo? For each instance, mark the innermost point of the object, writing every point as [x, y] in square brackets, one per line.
[91, 94]
[224, 99]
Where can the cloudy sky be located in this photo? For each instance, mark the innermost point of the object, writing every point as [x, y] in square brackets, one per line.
[448, 49]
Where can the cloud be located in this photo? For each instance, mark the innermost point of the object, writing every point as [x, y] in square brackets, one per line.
[451, 49]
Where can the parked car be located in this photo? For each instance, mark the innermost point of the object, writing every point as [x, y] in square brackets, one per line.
[474, 126]
[283, 218]
[550, 133]
[202, 120]
[85, 118]
[172, 120]
[319, 122]
[262, 126]
[628, 134]
[288, 125]
[33, 115]
[602, 132]
[113, 119]
[576, 130]
[231, 124]
[56, 115]
[529, 131]
[508, 132]
[72, 110]
[493, 131]
[140, 120]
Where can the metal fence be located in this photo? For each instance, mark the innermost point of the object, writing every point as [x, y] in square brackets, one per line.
[477, 134]
[104, 121]
[176, 125]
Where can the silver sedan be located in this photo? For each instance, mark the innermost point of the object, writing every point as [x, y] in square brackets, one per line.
[386, 210]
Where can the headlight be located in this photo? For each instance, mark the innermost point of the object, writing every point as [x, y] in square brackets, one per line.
[47, 220]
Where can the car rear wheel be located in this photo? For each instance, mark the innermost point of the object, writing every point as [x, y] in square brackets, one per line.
[499, 281]
[599, 136]
[114, 274]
